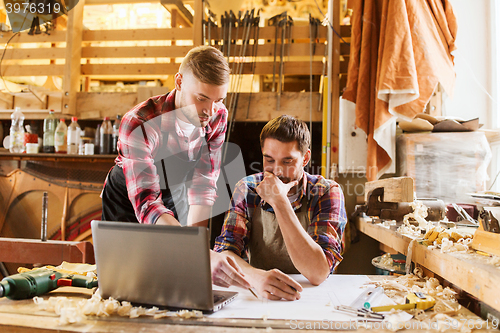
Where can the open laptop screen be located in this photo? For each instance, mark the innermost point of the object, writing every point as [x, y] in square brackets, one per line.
[154, 264]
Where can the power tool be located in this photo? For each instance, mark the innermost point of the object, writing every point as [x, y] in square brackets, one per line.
[40, 281]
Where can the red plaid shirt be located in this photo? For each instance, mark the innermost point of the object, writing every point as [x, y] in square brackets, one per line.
[140, 145]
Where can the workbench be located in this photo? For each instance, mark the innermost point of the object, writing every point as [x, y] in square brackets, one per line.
[468, 271]
[25, 316]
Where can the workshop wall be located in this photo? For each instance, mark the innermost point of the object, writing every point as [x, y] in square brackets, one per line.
[475, 65]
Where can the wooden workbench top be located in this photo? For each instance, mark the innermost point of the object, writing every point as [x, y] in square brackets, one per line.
[469, 271]
[25, 316]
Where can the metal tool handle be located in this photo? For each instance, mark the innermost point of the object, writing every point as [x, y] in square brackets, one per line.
[45, 200]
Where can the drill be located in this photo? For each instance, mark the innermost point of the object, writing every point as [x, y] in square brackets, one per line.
[41, 281]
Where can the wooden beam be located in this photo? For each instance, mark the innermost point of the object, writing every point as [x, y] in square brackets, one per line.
[265, 33]
[32, 70]
[72, 66]
[106, 104]
[54, 37]
[175, 51]
[334, 86]
[135, 52]
[262, 105]
[198, 23]
[138, 34]
[183, 13]
[38, 53]
[290, 68]
[31, 251]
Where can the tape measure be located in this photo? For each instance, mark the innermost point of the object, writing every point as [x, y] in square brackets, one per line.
[413, 300]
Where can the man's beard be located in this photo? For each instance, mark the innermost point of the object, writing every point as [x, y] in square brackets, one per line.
[285, 180]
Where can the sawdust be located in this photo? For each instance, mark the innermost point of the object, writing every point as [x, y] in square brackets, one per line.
[71, 311]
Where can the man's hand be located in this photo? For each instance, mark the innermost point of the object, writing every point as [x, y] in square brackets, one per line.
[275, 285]
[226, 272]
[271, 189]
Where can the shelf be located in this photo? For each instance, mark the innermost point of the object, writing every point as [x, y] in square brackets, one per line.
[5, 155]
[468, 271]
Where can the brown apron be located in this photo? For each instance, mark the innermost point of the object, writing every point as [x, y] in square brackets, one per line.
[267, 249]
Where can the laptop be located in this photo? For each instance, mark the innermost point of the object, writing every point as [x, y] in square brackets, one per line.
[157, 265]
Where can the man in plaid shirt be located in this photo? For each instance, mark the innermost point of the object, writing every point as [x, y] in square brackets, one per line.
[169, 155]
[284, 220]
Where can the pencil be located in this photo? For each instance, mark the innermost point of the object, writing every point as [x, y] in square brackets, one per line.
[253, 293]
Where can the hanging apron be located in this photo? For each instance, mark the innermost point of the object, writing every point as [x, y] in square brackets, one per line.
[175, 173]
[267, 249]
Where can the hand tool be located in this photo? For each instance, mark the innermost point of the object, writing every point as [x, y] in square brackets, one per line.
[362, 312]
[376, 206]
[256, 26]
[44, 216]
[365, 299]
[274, 21]
[463, 214]
[414, 300]
[40, 281]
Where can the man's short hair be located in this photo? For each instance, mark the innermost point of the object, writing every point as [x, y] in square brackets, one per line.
[207, 64]
[287, 129]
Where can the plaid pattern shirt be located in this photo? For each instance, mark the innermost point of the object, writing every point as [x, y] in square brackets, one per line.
[140, 145]
[326, 211]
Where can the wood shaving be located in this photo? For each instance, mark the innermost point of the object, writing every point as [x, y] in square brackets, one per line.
[72, 311]
[494, 260]
[67, 268]
[398, 288]
[410, 230]
[461, 246]
[419, 214]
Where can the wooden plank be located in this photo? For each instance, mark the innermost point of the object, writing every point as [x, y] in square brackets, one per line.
[6, 101]
[390, 238]
[54, 37]
[32, 251]
[138, 34]
[135, 52]
[334, 84]
[107, 104]
[144, 92]
[72, 65]
[397, 189]
[487, 242]
[130, 69]
[198, 22]
[265, 50]
[38, 53]
[290, 68]
[263, 106]
[182, 11]
[28, 101]
[32, 70]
